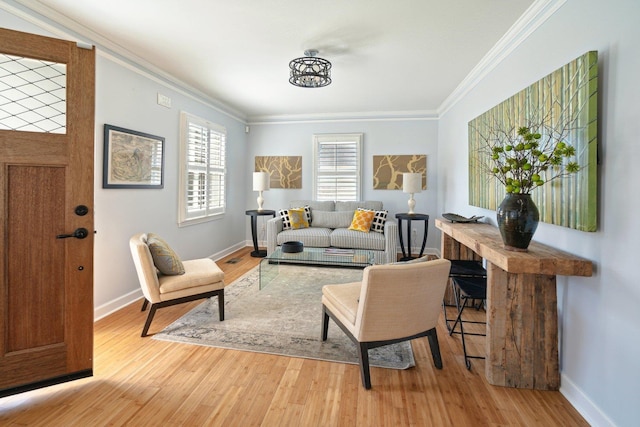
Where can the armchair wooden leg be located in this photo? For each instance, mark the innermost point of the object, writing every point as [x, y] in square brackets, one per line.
[152, 313]
[363, 355]
[325, 323]
[435, 348]
[145, 303]
[221, 304]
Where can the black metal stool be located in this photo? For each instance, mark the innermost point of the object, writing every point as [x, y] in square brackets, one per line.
[461, 268]
[468, 289]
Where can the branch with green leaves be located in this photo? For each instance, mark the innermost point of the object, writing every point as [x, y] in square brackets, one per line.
[526, 157]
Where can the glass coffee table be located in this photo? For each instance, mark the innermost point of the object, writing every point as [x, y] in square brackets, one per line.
[330, 257]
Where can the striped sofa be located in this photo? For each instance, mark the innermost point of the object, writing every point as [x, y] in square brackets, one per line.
[329, 228]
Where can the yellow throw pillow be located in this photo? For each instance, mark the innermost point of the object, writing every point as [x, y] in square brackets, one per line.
[362, 220]
[298, 218]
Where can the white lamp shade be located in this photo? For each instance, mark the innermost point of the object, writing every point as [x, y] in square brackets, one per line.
[411, 182]
[261, 181]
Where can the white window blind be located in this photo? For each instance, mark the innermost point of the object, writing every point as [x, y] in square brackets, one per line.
[337, 166]
[202, 176]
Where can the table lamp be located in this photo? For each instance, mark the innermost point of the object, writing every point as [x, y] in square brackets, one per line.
[411, 183]
[260, 184]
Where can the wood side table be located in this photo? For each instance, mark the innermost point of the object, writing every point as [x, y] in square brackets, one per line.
[258, 253]
[406, 256]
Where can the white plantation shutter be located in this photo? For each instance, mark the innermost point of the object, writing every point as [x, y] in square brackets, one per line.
[202, 177]
[337, 166]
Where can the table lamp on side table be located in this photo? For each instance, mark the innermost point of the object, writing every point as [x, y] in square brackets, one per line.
[260, 184]
[411, 183]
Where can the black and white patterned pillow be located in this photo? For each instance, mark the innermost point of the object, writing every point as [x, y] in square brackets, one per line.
[286, 221]
[378, 221]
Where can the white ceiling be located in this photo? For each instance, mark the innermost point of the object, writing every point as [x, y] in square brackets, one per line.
[389, 56]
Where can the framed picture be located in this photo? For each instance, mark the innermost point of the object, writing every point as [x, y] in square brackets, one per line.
[388, 170]
[132, 159]
[285, 171]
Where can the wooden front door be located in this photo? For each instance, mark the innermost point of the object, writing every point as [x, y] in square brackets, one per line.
[46, 192]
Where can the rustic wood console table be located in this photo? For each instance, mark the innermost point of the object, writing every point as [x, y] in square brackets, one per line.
[522, 319]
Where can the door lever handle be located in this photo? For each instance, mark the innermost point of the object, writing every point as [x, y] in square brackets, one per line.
[79, 233]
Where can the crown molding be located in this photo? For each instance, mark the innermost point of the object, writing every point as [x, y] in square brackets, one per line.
[113, 51]
[530, 21]
[371, 116]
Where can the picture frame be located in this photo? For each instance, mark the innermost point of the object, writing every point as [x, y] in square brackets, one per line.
[284, 171]
[388, 170]
[132, 159]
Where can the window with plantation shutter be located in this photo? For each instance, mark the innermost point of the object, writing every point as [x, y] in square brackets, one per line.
[202, 174]
[337, 166]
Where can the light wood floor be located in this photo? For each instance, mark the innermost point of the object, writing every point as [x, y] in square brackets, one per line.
[140, 381]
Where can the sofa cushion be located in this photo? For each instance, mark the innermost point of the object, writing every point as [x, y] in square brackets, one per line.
[352, 206]
[315, 237]
[164, 258]
[331, 219]
[343, 238]
[327, 205]
[362, 219]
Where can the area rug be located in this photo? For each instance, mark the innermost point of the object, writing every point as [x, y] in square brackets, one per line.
[283, 318]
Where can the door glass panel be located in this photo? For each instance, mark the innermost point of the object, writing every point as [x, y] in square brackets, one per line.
[33, 95]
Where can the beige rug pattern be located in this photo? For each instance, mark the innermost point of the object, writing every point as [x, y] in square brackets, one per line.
[284, 318]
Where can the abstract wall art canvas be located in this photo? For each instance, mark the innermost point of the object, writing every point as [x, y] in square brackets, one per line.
[285, 171]
[388, 170]
[563, 103]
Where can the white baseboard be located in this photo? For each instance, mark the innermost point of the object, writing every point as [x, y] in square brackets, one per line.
[124, 300]
[116, 304]
[583, 404]
[228, 251]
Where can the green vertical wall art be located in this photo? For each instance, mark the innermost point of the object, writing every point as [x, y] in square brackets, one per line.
[564, 104]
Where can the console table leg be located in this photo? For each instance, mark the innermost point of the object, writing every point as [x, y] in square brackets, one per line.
[522, 330]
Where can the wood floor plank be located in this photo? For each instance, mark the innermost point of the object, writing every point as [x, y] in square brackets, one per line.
[146, 382]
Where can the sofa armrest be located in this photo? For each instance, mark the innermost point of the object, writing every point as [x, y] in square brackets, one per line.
[274, 226]
[391, 241]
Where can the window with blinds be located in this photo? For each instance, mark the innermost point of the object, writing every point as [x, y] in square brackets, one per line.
[337, 166]
[202, 175]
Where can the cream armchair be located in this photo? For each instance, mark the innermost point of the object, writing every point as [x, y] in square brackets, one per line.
[393, 303]
[202, 278]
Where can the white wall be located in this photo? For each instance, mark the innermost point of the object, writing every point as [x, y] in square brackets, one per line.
[380, 137]
[599, 316]
[126, 96]
[128, 99]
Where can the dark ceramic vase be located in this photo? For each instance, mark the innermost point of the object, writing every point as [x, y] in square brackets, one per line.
[518, 219]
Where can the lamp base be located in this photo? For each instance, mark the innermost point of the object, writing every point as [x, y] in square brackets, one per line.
[411, 203]
[260, 200]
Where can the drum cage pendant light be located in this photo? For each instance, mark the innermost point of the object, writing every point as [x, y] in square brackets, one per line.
[310, 71]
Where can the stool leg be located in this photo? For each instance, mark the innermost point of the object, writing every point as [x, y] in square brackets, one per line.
[457, 297]
[464, 344]
[444, 307]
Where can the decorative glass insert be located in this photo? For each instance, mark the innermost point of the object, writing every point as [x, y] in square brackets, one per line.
[33, 95]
